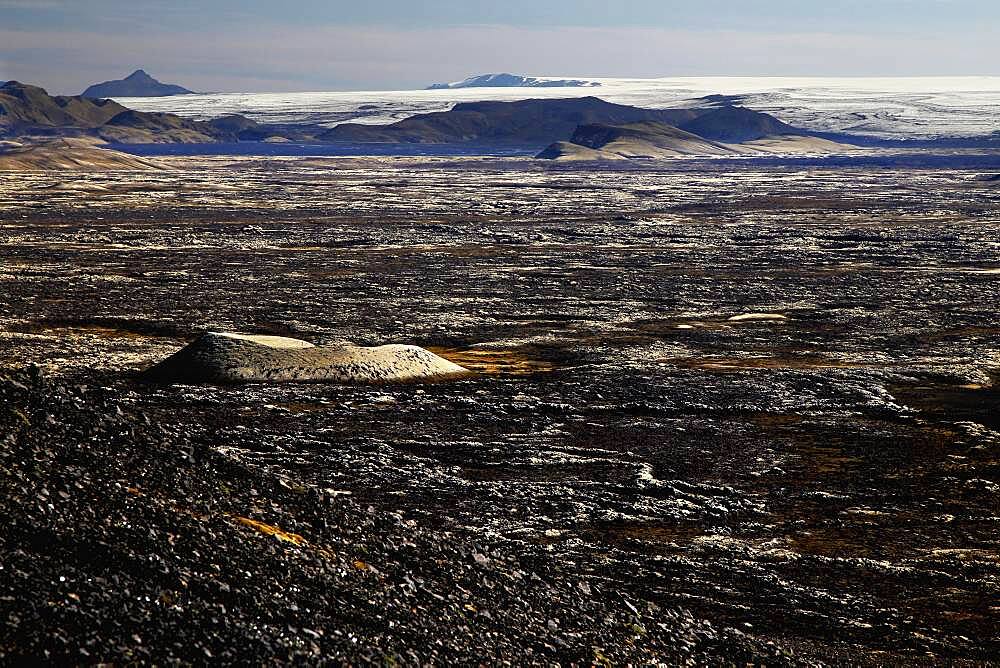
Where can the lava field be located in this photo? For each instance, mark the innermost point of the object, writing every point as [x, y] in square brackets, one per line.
[721, 414]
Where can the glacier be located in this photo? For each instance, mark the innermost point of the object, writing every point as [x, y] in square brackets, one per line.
[888, 107]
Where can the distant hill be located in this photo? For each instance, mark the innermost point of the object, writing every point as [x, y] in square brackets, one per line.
[137, 84]
[525, 122]
[541, 122]
[513, 81]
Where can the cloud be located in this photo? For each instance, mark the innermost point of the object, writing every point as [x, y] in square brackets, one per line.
[324, 58]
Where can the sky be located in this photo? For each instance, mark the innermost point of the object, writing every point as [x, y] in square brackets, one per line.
[314, 45]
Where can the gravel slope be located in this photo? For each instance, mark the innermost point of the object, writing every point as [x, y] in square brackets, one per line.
[127, 541]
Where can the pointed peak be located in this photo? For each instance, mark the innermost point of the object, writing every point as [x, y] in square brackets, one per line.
[137, 84]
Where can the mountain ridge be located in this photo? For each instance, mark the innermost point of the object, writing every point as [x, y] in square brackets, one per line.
[29, 110]
[543, 121]
[532, 121]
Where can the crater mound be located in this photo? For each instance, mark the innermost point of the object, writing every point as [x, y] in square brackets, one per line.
[225, 357]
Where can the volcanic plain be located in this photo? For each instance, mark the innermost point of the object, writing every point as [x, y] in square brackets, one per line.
[720, 412]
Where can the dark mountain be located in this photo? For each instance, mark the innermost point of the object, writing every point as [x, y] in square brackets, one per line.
[29, 110]
[137, 84]
[737, 124]
[512, 81]
[525, 122]
[239, 126]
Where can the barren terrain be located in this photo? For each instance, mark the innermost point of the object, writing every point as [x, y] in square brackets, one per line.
[761, 396]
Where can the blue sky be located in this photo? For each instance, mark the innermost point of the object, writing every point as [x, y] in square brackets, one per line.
[378, 44]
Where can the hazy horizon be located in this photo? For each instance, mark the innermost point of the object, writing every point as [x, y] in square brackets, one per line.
[392, 45]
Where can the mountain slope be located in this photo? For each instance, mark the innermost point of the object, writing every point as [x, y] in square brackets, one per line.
[567, 151]
[22, 105]
[651, 140]
[137, 84]
[80, 154]
[136, 127]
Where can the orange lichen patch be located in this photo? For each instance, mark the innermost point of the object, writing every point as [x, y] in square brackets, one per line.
[284, 536]
[797, 362]
[494, 362]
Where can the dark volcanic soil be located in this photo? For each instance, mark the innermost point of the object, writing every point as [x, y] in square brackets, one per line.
[721, 415]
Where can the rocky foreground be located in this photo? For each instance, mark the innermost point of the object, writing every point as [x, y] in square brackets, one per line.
[125, 541]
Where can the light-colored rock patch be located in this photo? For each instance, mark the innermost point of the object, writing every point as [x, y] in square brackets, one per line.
[749, 317]
[245, 358]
